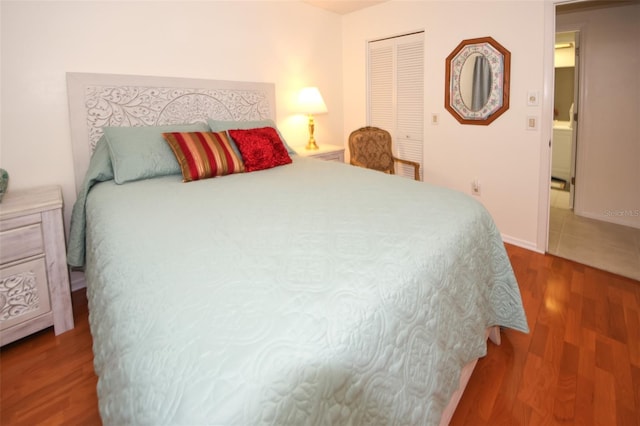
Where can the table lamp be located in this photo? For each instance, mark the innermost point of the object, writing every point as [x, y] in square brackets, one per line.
[311, 102]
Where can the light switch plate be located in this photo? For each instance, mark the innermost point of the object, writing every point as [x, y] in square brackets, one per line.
[532, 98]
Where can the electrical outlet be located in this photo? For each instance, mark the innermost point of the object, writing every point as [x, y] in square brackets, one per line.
[475, 187]
[435, 119]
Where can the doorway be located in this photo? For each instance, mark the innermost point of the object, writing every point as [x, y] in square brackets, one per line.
[602, 128]
[565, 111]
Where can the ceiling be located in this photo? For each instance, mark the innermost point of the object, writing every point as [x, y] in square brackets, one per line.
[343, 7]
[592, 4]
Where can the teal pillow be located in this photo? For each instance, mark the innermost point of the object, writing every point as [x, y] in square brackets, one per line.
[142, 153]
[223, 126]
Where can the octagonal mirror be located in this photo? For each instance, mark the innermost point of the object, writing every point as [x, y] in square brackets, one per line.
[477, 81]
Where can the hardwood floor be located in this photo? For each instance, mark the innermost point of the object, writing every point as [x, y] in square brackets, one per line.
[49, 380]
[579, 365]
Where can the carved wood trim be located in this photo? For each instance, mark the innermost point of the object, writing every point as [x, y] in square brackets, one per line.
[98, 100]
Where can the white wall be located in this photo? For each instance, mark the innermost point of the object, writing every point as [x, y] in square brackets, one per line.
[608, 163]
[504, 156]
[289, 43]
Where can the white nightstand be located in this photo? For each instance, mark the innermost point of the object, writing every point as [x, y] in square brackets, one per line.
[34, 279]
[324, 152]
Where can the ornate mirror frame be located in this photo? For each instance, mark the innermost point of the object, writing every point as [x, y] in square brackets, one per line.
[499, 60]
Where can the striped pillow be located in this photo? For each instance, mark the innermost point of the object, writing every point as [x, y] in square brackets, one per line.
[203, 155]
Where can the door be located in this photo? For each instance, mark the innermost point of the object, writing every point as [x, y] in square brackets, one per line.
[395, 94]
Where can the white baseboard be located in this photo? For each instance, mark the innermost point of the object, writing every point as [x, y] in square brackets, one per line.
[521, 243]
[77, 280]
[619, 219]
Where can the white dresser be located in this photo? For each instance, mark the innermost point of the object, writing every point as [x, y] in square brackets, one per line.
[34, 279]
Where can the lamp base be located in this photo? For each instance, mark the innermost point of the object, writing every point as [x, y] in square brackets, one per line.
[312, 141]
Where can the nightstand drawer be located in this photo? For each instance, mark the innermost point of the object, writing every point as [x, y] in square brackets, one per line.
[24, 293]
[332, 156]
[324, 152]
[19, 243]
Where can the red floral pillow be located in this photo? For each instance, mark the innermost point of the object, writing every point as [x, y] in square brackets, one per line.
[260, 148]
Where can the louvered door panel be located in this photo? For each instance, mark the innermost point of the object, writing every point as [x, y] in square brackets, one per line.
[381, 104]
[396, 94]
[410, 100]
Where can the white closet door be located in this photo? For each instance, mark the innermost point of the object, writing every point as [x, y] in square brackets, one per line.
[396, 94]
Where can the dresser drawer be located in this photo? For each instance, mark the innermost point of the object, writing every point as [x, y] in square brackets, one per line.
[24, 293]
[18, 243]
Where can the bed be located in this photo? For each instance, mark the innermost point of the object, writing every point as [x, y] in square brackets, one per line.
[311, 292]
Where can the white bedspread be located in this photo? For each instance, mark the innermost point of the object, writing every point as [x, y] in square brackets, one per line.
[314, 293]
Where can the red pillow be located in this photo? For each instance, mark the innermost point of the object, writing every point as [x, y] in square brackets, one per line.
[203, 155]
[260, 148]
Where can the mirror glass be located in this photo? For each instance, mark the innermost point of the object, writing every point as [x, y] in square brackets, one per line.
[475, 81]
[477, 86]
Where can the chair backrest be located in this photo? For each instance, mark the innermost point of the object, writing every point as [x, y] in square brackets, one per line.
[370, 147]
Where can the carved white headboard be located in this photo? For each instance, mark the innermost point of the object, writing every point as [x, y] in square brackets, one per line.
[99, 100]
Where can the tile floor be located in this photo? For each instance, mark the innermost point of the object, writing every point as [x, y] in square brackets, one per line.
[608, 246]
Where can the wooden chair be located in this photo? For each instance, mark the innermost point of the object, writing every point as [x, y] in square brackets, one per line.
[370, 147]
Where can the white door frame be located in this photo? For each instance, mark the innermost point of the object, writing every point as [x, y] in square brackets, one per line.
[546, 121]
[577, 102]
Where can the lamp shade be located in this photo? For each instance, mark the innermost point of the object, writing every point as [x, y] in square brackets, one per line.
[310, 101]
